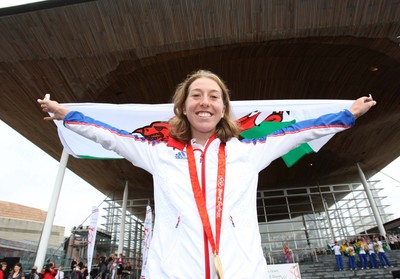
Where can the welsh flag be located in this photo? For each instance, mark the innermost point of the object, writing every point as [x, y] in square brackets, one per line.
[257, 118]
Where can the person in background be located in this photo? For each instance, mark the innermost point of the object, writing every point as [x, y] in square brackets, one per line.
[338, 255]
[128, 268]
[120, 265]
[381, 254]
[396, 240]
[80, 263]
[73, 264]
[110, 265]
[49, 272]
[213, 182]
[390, 237]
[3, 266]
[84, 272]
[102, 267]
[352, 258]
[60, 273]
[372, 255]
[113, 269]
[33, 274]
[288, 253]
[17, 272]
[362, 253]
[76, 273]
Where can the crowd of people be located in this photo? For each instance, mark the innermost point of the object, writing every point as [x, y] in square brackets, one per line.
[113, 267]
[364, 252]
[394, 240]
[15, 273]
[49, 271]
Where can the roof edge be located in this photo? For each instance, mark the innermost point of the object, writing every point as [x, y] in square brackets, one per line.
[36, 6]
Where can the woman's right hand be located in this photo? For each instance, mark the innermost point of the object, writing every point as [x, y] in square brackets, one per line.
[362, 106]
[59, 112]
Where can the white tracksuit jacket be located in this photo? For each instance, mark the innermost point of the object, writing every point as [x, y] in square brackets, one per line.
[177, 248]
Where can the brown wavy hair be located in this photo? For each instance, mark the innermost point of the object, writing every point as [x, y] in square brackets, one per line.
[226, 128]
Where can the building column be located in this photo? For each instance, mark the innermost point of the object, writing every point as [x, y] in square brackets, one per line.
[372, 203]
[122, 225]
[327, 215]
[48, 224]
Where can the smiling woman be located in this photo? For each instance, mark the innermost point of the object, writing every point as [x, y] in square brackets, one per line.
[205, 200]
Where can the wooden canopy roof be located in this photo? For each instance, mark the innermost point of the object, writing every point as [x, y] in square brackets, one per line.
[130, 51]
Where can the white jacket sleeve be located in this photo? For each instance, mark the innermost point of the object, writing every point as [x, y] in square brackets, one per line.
[135, 149]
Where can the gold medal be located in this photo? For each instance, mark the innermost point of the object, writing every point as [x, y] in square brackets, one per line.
[218, 266]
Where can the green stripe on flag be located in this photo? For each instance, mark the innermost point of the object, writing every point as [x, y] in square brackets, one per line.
[296, 154]
[266, 128]
[97, 158]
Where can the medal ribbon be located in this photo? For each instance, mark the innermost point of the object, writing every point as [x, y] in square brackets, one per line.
[219, 201]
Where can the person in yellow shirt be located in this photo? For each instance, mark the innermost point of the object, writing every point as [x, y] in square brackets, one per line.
[352, 259]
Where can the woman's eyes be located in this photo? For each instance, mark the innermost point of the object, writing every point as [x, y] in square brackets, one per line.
[212, 96]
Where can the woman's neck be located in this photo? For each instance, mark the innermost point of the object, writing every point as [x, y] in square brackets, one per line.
[203, 138]
[202, 142]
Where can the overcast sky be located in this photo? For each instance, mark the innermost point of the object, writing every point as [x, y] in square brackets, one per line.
[28, 175]
[8, 3]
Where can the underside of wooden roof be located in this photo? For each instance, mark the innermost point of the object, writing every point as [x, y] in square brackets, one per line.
[138, 51]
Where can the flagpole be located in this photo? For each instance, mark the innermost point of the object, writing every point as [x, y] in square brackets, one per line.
[48, 224]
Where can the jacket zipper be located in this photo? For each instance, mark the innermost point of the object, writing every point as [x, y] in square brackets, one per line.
[231, 218]
[178, 222]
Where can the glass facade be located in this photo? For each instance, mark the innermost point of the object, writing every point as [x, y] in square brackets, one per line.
[311, 218]
[134, 230]
[308, 219]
